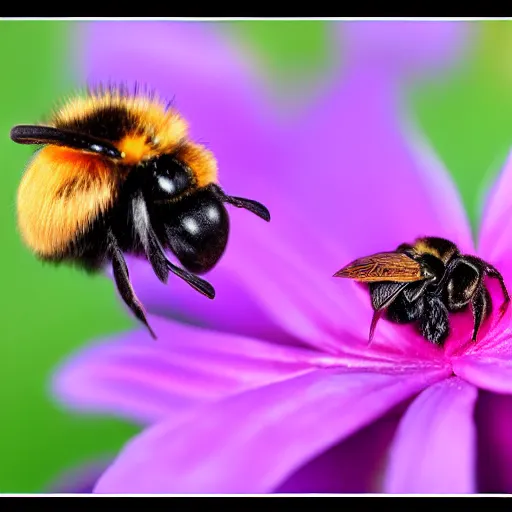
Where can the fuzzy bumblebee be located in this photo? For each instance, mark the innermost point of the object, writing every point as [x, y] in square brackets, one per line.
[117, 173]
[423, 283]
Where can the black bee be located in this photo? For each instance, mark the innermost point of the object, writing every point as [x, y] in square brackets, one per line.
[117, 173]
[423, 283]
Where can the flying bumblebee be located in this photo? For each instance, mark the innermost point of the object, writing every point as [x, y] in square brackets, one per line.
[423, 283]
[117, 173]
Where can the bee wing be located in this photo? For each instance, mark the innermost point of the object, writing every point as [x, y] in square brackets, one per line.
[383, 294]
[383, 266]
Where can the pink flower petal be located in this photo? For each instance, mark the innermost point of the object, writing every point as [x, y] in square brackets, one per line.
[195, 63]
[297, 290]
[494, 417]
[234, 309]
[434, 447]
[380, 183]
[354, 465]
[135, 377]
[406, 46]
[253, 441]
[492, 372]
[495, 241]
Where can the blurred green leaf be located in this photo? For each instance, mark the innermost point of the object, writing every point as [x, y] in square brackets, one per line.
[47, 311]
[467, 116]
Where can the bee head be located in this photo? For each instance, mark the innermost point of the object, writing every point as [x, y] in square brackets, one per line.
[198, 229]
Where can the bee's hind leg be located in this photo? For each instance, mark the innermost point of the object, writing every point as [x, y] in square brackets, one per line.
[480, 305]
[122, 279]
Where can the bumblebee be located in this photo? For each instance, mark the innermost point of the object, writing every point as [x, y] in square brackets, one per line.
[423, 283]
[117, 173]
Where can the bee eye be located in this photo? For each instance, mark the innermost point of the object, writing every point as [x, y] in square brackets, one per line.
[169, 178]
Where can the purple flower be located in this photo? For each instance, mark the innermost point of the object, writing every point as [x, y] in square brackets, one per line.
[272, 387]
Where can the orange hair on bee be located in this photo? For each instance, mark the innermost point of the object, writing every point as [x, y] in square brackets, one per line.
[423, 246]
[155, 128]
[62, 191]
[201, 161]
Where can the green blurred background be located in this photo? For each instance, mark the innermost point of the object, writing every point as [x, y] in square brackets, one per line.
[47, 312]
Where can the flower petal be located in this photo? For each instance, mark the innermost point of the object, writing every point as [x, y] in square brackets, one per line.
[494, 417]
[434, 447]
[234, 309]
[253, 441]
[352, 466]
[134, 377]
[495, 243]
[492, 372]
[297, 291]
[380, 184]
[405, 45]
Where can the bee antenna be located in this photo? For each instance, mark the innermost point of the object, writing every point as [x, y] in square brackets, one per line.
[36, 134]
[240, 202]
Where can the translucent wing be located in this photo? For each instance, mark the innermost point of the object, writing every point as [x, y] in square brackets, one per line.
[384, 266]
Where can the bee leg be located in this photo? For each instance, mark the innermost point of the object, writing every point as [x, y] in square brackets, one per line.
[434, 324]
[122, 279]
[155, 253]
[480, 305]
[494, 273]
[197, 283]
[375, 318]
[403, 311]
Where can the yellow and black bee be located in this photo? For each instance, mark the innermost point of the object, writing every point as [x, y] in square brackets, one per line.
[423, 283]
[117, 173]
